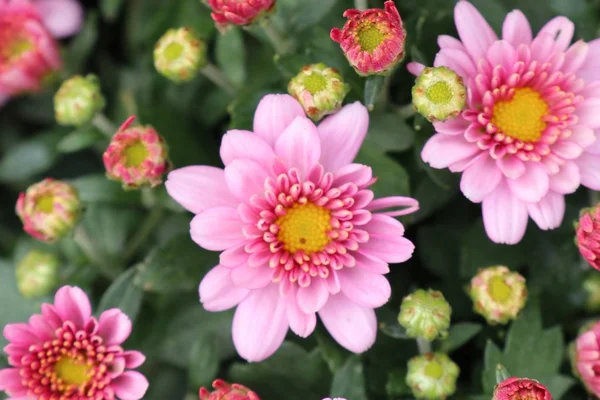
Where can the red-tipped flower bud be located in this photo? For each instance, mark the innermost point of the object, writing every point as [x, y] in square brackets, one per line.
[226, 391]
[521, 388]
[587, 358]
[239, 12]
[588, 235]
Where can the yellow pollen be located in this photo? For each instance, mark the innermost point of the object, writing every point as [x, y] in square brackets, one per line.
[499, 290]
[304, 227]
[72, 372]
[369, 37]
[45, 204]
[440, 93]
[521, 116]
[135, 154]
[173, 51]
[315, 83]
[434, 370]
[16, 48]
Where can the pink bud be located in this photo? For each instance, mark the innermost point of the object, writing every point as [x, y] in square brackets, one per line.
[239, 12]
[588, 235]
[226, 391]
[521, 388]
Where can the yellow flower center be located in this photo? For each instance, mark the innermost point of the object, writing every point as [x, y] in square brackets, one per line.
[315, 83]
[71, 371]
[304, 227]
[521, 116]
[499, 290]
[173, 51]
[16, 48]
[439, 93]
[369, 37]
[434, 370]
[45, 204]
[135, 154]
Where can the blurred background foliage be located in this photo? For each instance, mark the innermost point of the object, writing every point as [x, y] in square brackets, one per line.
[133, 248]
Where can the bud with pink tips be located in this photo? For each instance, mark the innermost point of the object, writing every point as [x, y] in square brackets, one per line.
[239, 12]
[372, 40]
[588, 235]
[226, 391]
[136, 156]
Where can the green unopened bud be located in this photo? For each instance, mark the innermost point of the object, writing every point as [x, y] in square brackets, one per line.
[425, 314]
[591, 285]
[37, 273]
[180, 54]
[498, 294]
[321, 90]
[432, 376]
[439, 94]
[78, 100]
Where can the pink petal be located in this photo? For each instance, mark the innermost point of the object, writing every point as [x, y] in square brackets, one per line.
[72, 304]
[575, 57]
[594, 148]
[273, 114]
[352, 326]
[567, 150]
[456, 126]
[245, 178]
[21, 334]
[480, 179]
[542, 47]
[217, 291]
[457, 60]
[234, 256]
[358, 174]
[533, 185]
[238, 144]
[312, 298]
[370, 263]
[474, 31]
[130, 386]
[260, 324]
[561, 29]
[588, 113]
[504, 216]
[567, 180]
[512, 167]
[61, 17]
[583, 136]
[589, 166]
[365, 288]
[516, 29]
[301, 324]
[590, 71]
[415, 68]
[197, 188]
[299, 146]
[448, 42]
[10, 379]
[378, 205]
[502, 53]
[386, 241]
[133, 359]
[442, 150]
[114, 327]
[342, 134]
[248, 277]
[217, 228]
[548, 213]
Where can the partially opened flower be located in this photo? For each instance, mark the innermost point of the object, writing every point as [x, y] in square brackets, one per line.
[587, 358]
[78, 100]
[521, 388]
[300, 230]
[527, 135]
[239, 12]
[66, 353]
[588, 235]
[28, 53]
[225, 391]
[61, 17]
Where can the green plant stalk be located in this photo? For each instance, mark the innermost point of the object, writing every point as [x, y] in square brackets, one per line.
[280, 44]
[106, 268]
[104, 125]
[424, 345]
[216, 76]
[145, 230]
[361, 4]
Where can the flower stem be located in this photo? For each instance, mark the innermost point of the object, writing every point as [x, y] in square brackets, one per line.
[424, 345]
[106, 268]
[594, 197]
[280, 44]
[406, 111]
[216, 76]
[146, 228]
[361, 4]
[104, 125]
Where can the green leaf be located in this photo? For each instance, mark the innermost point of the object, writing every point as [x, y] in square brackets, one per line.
[123, 294]
[290, 374]
[80, 139]
[231, 55]
[167, 383]
[98, 189]
[349, 381]
[439, 249]
[389, 325]
[205, 359]
[83, 45]
[373, 86]
[110, 9]
[458, 335]
[297, 15]
[389, 132]
[332, 352]
[175, 266]
[558, 385]
[396, 384]
[392, 178]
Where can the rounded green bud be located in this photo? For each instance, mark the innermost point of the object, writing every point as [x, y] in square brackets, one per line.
[180, 54]
[498, 294]
[78, 100]
[321, 90]
[432, 376]
[425, 314]
[591, 285]
[439, 94]
[37, 273]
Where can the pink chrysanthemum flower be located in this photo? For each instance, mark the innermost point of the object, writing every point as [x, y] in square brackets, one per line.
[136, 156]
[239, 12]
[588, 235]
[587, 358]
[521, 388]
[299, 229]
[28, 53]
[372, 40]
[66, 353]
[527, 135]
[226, 391]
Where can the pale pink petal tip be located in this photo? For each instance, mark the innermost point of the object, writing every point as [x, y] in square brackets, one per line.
[61, 17]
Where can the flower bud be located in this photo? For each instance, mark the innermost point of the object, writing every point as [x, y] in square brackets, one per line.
[439, 94]
[37, 274]
[320, 90]
[136, 156]
[587, 358]
[239, 12]
[587, 235]
[372, 40]
[425, 314]
[498, 294]
[180, 54]
[78, 100]
[432, 376]
[49, 209]
[226, 391]
[521, 388]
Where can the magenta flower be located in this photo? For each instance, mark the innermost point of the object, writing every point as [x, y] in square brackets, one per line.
[527, 135]
[587, 358]
[226, 391]
[239, 12]
[65, 353]
[298, 228]
[61, 17]
[587, 235]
